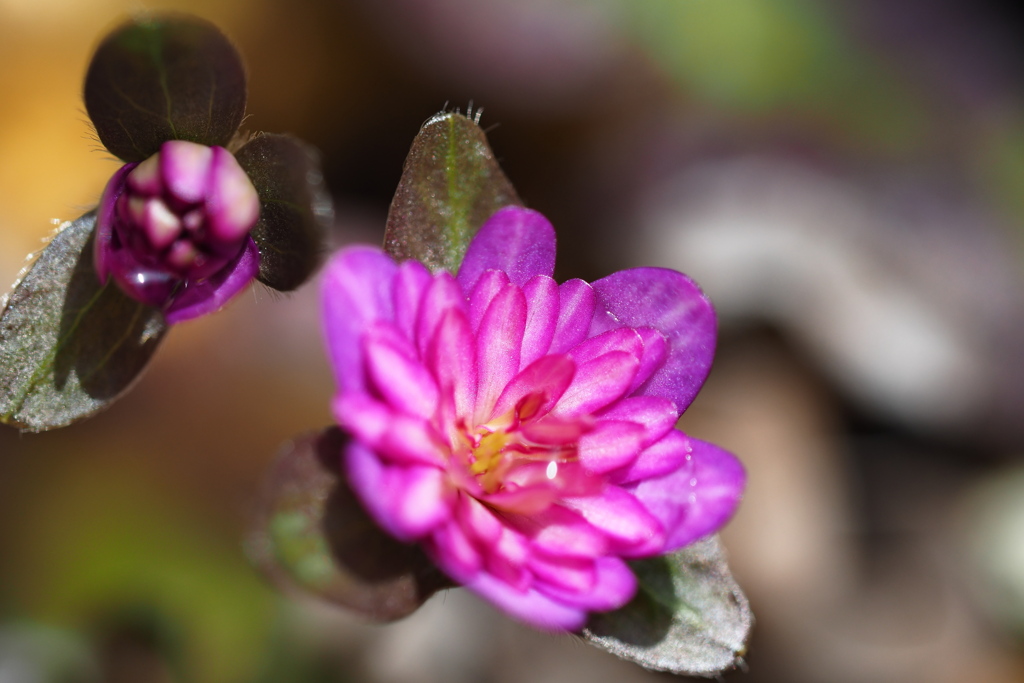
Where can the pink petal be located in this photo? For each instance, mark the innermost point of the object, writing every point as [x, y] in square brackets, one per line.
[396, 374]
[451, 356]
[395, 437]
[541, 315]
[529, 606]
[185, 169]
[657, 415]
[522, 500]
[454, 552]
[654, 355]
[666, 455]
[576, 305]
[105, 216]
[571, 575]
[498, 345]
[507, 558]
[517, 241]
[611, 445]
[547, 378]
[209, 295]
[480, 297]
[618, 513]
[696, 500]
[598, 383]
[614, 586]
[410, 286]
[232, 205]
[559, 531]
[442, 295]
[552, 430]
[671, 303]
[477, 520]
[624, 339]
[356, 292]
[422, 499]
[407, 502]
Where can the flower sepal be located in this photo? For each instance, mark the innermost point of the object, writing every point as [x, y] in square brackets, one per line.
[311, 534]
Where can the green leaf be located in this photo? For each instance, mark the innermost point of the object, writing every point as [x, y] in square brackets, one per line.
[689, 615]
[160, 78]
[68, 345]
[295, 208]
[313, 534]
[450, 186]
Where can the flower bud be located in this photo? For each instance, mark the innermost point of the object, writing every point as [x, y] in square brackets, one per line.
[177, 221]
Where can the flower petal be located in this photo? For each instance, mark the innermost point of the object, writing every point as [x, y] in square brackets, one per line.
[623, 339]
[206, 296]
[529, 606]
[105, 216]
[654, 354]
[655, 414]
[232, 205]
[666, 455]
[356, 292]
[410, 286]
[560, 531]
[454, 552]
[480, 297]
[614, 586]
[407, 502]
[451, 357]
[399, 438]
[547, 378]
[517, 241]
[396, 374]
[185, 169]
[499, 342]
[541, 315]
[442, 295]
[671, 303]
[611, 445]
[576, 305]
[568, 575]
[597, 383]
[624, 519]
[697, 499]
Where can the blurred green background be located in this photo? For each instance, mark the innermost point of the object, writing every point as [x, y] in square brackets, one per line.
[846, 180]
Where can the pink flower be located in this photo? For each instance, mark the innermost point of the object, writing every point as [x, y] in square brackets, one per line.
[173, 230]
[523, 431]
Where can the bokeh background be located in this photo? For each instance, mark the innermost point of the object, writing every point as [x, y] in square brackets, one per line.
[845, 179]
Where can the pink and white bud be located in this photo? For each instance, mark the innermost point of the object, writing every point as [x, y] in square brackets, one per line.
[173, 230]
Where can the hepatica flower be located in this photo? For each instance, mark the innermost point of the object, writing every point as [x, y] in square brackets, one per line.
[173, 230]
[523, 431]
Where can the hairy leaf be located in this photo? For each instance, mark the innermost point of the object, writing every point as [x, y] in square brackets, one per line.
[164, 77]
[450, 186]
[312, 534]
[295, 208]
[68, 345]
[688, 617]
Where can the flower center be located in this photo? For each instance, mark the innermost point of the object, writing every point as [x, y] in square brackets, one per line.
[520, 450]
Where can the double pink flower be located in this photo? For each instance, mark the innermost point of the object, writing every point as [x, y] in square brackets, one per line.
[522, 431]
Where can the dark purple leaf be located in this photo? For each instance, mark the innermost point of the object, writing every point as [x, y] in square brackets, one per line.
[295, 208]
[450, 186]
[312, 534]
[68, 345]
[164, 77]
